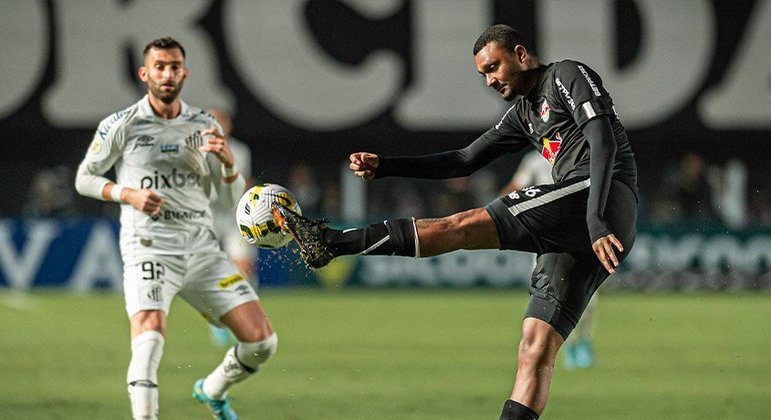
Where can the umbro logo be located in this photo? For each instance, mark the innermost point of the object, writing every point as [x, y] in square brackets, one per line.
[145, 141]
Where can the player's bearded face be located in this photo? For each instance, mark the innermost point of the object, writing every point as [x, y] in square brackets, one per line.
[501, 70]
[165, 73]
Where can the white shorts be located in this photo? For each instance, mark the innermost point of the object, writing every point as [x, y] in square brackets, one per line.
[208, 281]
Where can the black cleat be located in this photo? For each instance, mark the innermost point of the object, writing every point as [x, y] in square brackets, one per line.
[307, 233]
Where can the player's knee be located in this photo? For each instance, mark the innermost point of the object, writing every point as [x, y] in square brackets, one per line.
[143, 321]
[531, 355]
[535, 350]
[252, 355]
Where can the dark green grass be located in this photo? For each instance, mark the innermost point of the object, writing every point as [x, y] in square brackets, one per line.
[444, 354]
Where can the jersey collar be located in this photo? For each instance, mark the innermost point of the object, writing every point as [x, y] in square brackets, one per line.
[147, 110]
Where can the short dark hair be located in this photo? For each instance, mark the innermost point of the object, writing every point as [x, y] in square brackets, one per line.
[165, 43]
[503, 35]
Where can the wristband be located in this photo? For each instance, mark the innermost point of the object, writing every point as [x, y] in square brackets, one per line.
[115, 193]
[229, 171]
[229, 174]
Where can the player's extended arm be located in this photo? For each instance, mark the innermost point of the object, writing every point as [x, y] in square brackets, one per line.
[602, 144]
[449, 164]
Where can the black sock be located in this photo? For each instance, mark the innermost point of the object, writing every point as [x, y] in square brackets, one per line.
[513, 410]
[392, 237]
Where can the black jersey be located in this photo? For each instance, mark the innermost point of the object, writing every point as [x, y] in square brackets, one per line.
[552, 118]
[566, 95]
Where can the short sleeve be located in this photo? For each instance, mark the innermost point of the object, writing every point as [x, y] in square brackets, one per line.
[105, 149]
[107, 145]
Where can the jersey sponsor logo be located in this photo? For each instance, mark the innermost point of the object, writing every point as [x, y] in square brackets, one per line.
[105, 126]
[145, 141]
[169, 148]
[565, 93]
[551, 147]
[183, 214]
[229, 281]
[545, 108]
[589, 79]
[175, 179]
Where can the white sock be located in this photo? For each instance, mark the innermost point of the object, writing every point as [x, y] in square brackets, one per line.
[142, 376]
[241, 361]
[144, 401]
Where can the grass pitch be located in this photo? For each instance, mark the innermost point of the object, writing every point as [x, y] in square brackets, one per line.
[397, 354]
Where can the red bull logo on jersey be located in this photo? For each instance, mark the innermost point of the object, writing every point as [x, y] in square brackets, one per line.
[551, 147]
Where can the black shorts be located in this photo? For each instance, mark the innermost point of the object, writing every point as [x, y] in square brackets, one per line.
[550, 220]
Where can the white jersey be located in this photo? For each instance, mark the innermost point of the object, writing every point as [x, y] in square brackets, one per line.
[533, 170]
[149, 152]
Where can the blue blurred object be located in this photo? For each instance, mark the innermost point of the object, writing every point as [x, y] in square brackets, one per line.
[578, 355]
[220, 409]
[222, 337]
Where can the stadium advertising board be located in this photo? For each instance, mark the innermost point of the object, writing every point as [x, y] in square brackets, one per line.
[82, 255]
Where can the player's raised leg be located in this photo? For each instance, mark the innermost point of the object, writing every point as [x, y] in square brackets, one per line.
[319, 244]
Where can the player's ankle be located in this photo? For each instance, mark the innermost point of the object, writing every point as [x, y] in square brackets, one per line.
[513, 410]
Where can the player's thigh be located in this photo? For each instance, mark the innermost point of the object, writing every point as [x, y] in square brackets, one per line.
[214, 286]
[543, 218]
[621, 214]
[150, 282]
[561, 287]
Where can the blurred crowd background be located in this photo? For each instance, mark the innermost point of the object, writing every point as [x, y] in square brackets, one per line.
[689, 191]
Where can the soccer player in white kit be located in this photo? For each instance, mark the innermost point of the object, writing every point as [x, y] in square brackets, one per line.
[167, 157]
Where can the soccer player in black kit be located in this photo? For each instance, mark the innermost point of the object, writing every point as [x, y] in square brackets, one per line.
[580, 227]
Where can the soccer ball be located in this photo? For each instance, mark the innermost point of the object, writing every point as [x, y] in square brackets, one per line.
[255, 218]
